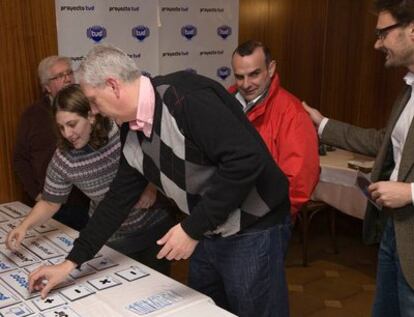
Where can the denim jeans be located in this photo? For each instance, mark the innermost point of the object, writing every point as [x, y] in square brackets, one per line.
[394, 297]
[244, 273]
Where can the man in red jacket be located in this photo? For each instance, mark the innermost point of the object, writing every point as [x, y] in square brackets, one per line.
[279, 118]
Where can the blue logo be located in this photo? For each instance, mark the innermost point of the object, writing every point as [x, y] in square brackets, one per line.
[224, 31]
[223, 72]
[65, 240]
[188, 31]
[3, 297]
[96, 33]
[140, 32]
[21, 280]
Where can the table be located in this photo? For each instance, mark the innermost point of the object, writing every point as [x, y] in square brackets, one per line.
[336, 185]
[113, 301]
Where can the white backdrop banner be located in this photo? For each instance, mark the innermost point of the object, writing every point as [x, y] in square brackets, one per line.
[161, 36]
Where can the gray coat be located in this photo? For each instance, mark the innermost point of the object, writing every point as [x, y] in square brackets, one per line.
[377, 143]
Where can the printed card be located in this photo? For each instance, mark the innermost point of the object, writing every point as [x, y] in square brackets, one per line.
[57, 260]
[76, 292]
[62, 240]
[154, 302]
[6, 264]
[34, 266]
[102, 263]
[63, 311]
[3, 217]
[46, 227]
[42, 247]
[104, 282]
[49, 302]
[7, 298]
[82, 271]
[3, 236]
[133, 273]
[15, 209]
[18, 280]
[21, 257]
[19, 310]
[12, 224]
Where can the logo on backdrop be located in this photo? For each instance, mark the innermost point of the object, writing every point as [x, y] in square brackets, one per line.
[140, 32]
[96, 33]
[191, 70]
[189, 31]
[224, 31]
[223, 72]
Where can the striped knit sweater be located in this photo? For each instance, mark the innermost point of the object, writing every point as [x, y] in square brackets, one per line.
[92, 171]
[203, 154]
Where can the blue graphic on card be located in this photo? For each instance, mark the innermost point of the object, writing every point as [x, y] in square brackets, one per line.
[19, 310]
[18, 281]
[154, 302]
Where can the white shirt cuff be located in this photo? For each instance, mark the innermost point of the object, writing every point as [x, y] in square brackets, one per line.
[412, 193]
[322, 125]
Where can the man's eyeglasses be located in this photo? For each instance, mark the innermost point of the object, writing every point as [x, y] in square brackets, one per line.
[381, 34]
[62, 76]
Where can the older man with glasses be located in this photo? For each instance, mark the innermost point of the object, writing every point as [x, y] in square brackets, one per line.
[36, 141]
[393, 172]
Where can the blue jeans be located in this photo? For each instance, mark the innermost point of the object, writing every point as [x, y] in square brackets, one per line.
[244, 273]
[394, 297]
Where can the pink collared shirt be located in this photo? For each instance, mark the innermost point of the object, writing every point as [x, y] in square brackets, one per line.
[146, 106]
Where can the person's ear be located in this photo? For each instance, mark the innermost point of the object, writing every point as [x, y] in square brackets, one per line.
[411, 30]
[114, 85]
[91, 118]
[272, 68]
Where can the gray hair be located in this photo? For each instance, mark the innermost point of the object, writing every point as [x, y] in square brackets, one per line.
[105, 61]
[47, 63]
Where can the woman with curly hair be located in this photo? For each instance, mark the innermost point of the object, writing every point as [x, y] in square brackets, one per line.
[88, 154]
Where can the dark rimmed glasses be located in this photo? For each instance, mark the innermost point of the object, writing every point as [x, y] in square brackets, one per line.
[62, 76]
[381, 34]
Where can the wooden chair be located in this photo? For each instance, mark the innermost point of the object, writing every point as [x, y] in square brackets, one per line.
[305, 217]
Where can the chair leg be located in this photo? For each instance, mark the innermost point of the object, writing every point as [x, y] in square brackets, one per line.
[305, 227]
[332, 216]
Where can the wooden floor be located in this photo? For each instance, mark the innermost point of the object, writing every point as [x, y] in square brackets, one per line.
[333, 285]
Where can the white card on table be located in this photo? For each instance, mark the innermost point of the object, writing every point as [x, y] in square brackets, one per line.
[42, 247]
[6, 264]
[63, 311]
[7, 298]
[77, 292]
[101, 263]
[154, 302]
[104, 282]
[3, 236]
[21, 257]
[46, 227]
[34, 266]
[133, 273]
[83, 270]
[18, 280]
[62, 240]
[12, 224]
[19, 310]
[49, 302]
[15, 209]
[3, 217]
[57, 260]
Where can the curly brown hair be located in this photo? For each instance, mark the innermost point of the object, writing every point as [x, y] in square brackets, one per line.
[72, 99]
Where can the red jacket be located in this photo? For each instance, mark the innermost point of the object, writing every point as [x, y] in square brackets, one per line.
[290, 137]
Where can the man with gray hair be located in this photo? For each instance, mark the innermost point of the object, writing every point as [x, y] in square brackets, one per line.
[36, 141]
[188, 136]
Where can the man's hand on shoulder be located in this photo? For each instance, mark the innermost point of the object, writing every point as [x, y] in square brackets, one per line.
[314, 114]
[177, 244]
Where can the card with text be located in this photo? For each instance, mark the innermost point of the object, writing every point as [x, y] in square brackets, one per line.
[19, 310]
[42, 247]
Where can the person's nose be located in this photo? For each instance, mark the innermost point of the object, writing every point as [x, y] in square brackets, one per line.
[245, 83]
[378, 44]
[67, 132]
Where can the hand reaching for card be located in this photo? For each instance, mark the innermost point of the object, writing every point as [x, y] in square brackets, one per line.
[15, 238]
[46, 277]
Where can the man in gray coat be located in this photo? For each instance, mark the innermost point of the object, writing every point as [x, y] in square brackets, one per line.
[393, 173]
